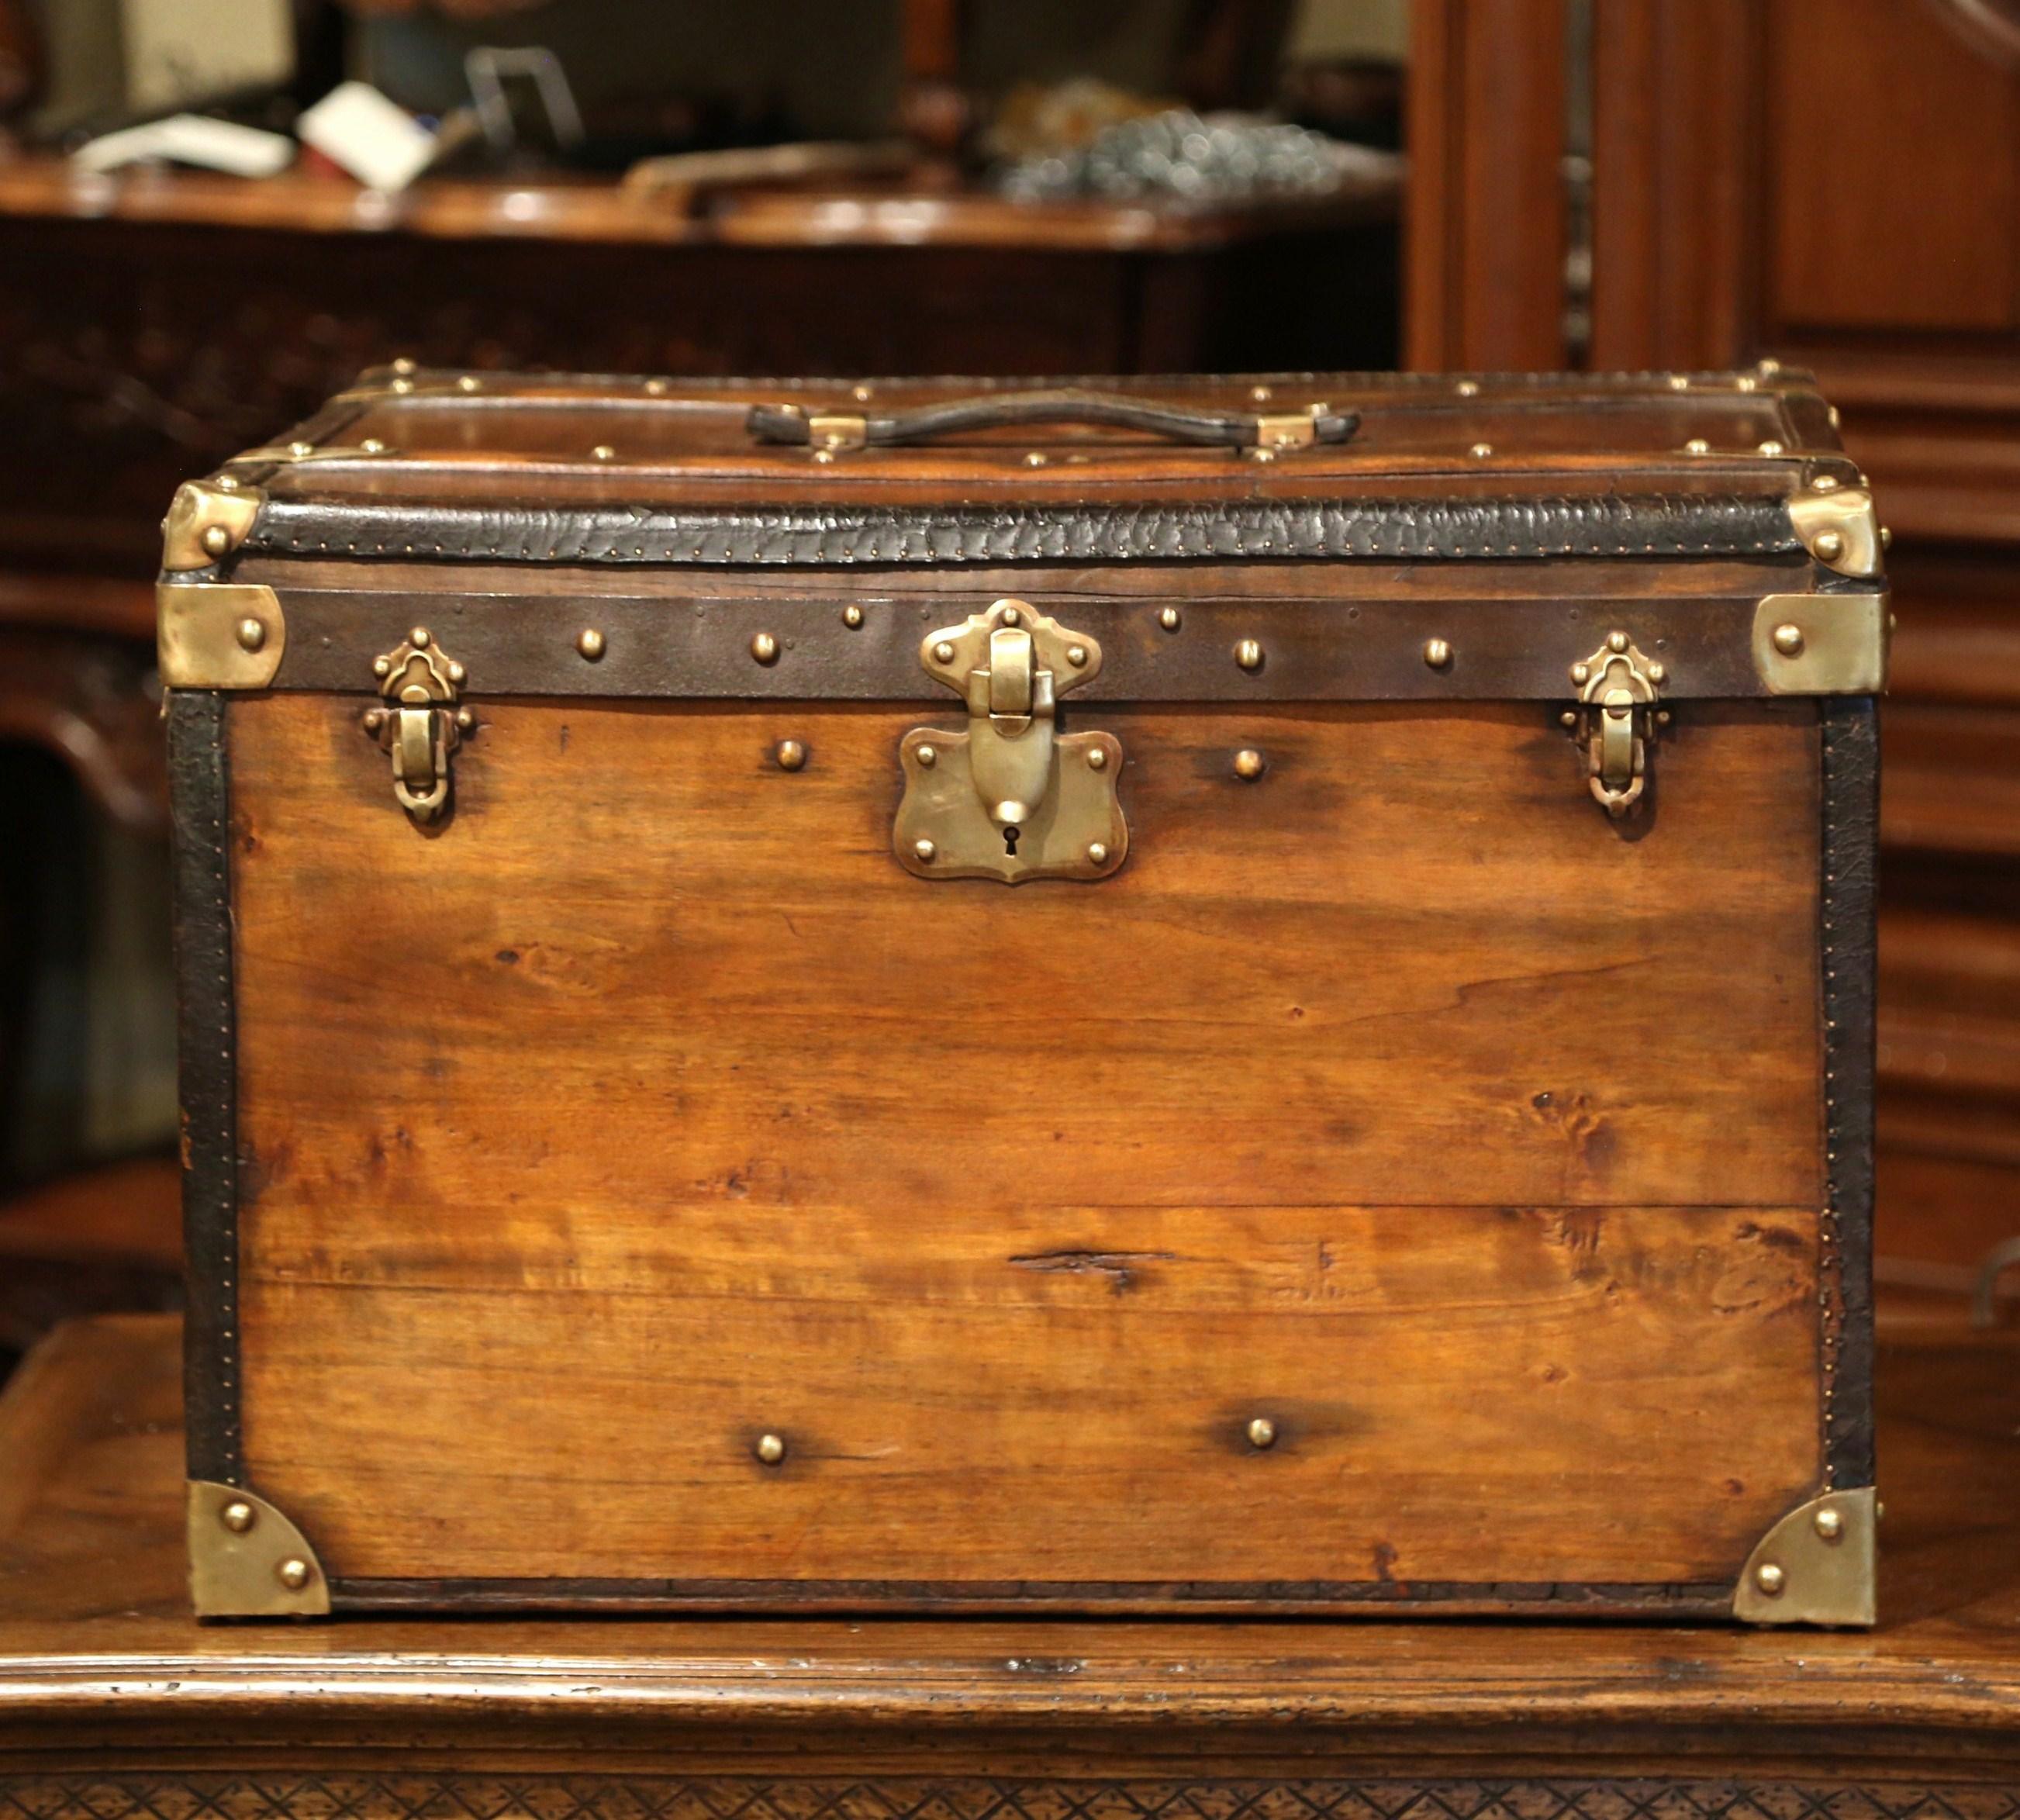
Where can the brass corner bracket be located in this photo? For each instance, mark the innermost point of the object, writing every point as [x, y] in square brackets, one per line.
[1822, 644]
[1837, 525]
[248, 1560]
[1816, 1565]
[212, 634]
[208, 519]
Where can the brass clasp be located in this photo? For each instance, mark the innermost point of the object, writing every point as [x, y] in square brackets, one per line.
[1616, 720]
[1012, 797]
[423, 726]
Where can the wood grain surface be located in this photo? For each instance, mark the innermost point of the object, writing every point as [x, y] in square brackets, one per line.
[1396, 1097]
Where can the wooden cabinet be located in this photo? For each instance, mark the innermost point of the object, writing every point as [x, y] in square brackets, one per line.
[1836, 185]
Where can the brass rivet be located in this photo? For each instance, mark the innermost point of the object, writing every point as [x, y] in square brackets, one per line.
[1824, 483]
[1768, 364]
[852, 616]
[372, 445]
[764, 647]
[1168, 619]
[1568, 718]
[458, 674]
[1886, 538]
[1616, 641]
[927, 757]
[603, 451]
[656, 388]
[862, 394]
[216, 539]
[227, 483]
[1658, 673]
[1789, 640]
[589, 641]
[298, 449]
[925, 850]
[1468, 388]
[238, 1516]
[1697, 445]
[1481, 451]
[1829, 546]
[466, 721]
[1680, 381]
[418, 637]
[293, 1573]
[1260, 454]
[1437, 653]
[1248, 654]
[1746, 383]
[469, 382]
[1034, 459]
[1662, 715]
[1260, 394]
[1076, 656]
[1249, 764]
[381, 666]
[404, 363]
[790, 754]
[943, 652]
[1012, 617]
[1835, 416]
[1097, 854]
[1830, 1524]
[403, 387]
[1262, 1432]
[1097, 758]
[1770, 1579]
[771, 1448]
[374, 718]
[824, 456]
[1770, 447]
[1581, 673]
[252, 634]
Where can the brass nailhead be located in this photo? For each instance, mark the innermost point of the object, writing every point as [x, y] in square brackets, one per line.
[1789, 640]
[1437, 653]
[1468, 388]
[790, 754]
[771, 1448]
[293, 1573]
[252, 634]
[943, 652]
[852, 616]
[418, 637]
[469, 382]
[1616, 641]
[1097, 853]
[1770, 1578]
[1829, 546]
[238, 1516]
[1097, 758]
[589, 641]
[1770, 447]
[1830, 1524]
[1481, 451]
[216, 540]
[925, 850]
[603, 451]
[927, 757]
[1248, 654]
[1262, 1432]
[1076, 656]
[764, 647]
[1168, 619]
[1697, 445]
[299, 449]
[1249, 764]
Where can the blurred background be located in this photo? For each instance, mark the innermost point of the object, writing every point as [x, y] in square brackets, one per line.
[214, 212]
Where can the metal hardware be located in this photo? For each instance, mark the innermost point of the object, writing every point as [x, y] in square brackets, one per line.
[789, 755]
[247, 1560]
[1248, 654]
[589, 641]
[764, 647]
[1697, 445]
[771, 1449]
[1838, 526]
[1821, 644]
[1438, 653]
[1815, 1566]
[852, 616]
[1168, 617]
[1290, 430]
[1010, 798]
[1262, 1432]
[1617, 688]
[1481, 451]
[838, 432]
[423, 726]
[218, 634]
[208, 519]
[1249, 764]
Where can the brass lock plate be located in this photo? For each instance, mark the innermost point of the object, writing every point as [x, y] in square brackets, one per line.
[1009, 798]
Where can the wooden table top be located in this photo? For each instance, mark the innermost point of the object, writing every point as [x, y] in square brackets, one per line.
[97, 1654]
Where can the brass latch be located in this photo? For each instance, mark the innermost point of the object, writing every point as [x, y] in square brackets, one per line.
[1616, 720]
[424, 724]
[1011, 797]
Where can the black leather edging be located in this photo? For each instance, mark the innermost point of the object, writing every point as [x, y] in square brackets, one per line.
[1851, 850]
[1669, 524]
[199, 794]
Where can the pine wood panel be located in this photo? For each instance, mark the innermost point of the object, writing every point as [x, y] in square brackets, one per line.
[1398, 1097]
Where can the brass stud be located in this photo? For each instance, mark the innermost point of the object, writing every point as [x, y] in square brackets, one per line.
[1768, 365]
[1012, 617]
[825, 457]
[299, 449]
[381, 666]
[1830, 1524]
[1770, 1578]
[603, 451]
[1034, 458]
[252, 634]
[227, 483]
[1697, 445]
[1076, 656]
[927, 757]
[1886, 538]
[1581, 673]
[238, 1516]
[1836, 417]
[791, 755]
[465, 720]
[852, 616]
[1260, 454]
[1168, 619]
[1680, 381]
[764, 647]
[1248, 654]
[1479, 451]
[216, 540]
[1097, 757]
[1658, 673]
[1746, 383]
[656, 388]
[862, 394]
[457, 674]
[1616, 641]
[1789, 640]
[372, 445]
[1249, 764]
[1824, 483]
[925, 850]
[1262, 1432]
[1771, 447]
[1568, 718]
[1829, 546]
[943, 652]
[374, 718]
[418, 637]
[403, 387]
[404, 365]
[1260, 394]
[1437, 653]
[1097, 854]
[1468, 388]
[293, 1573]
[469, 382]
[589, 641]
[1663, 717]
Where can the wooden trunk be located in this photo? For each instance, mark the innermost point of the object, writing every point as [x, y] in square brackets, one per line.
[1251, 996]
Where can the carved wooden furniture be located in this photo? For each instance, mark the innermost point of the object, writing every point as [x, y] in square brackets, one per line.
[115, 1705]
[1719, 208]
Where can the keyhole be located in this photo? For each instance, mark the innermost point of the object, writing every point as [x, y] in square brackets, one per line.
[1010, 841]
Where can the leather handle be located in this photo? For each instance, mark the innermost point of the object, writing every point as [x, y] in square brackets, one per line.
[793, 423]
